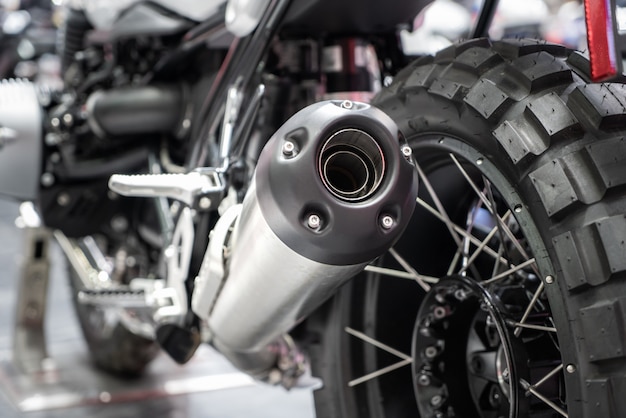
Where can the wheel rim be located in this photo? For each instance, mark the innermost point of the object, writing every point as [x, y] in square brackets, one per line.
[487, 255]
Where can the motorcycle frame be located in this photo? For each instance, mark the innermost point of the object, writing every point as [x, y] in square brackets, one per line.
[245, 61]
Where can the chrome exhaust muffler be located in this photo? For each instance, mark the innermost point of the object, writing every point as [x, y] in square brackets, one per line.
[333, 189]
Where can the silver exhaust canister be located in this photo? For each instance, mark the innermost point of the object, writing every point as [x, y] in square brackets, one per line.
[333, 189]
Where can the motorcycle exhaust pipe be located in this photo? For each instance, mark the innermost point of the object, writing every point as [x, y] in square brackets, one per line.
[333, 189]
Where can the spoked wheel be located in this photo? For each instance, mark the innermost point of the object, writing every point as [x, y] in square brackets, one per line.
[499, 300]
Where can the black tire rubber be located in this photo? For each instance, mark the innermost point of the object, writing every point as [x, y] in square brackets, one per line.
[530, 111]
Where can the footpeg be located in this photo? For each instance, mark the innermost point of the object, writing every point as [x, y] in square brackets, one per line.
[204, 186]
[123, 298]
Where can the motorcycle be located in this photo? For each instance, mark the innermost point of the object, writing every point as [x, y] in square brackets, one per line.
[27, 36]
[232, 173]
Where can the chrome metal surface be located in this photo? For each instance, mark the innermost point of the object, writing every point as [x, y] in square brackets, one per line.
[351, 164]
[231, 114]
[171, 301]
[183, 187]
[29, 342]
[269, 287]
[22, 139]
[210, 278]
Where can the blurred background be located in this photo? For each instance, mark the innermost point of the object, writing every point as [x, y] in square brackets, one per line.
[29, 27]
[28, 50]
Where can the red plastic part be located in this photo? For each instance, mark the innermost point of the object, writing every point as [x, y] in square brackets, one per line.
[601, 39]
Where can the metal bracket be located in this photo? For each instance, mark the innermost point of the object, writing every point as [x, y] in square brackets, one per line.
[211, 276]
[204, 187]
[29, 343]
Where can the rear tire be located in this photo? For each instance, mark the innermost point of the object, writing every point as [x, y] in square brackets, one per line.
[523, 121]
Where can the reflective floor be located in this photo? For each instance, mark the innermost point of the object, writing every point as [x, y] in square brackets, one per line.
[207, 387]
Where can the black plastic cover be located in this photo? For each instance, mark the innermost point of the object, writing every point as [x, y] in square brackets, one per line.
[289, 188]
[350, 17]
[136, 110]
[148, 19]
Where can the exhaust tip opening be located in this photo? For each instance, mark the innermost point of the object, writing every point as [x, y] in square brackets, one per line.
[351, 165]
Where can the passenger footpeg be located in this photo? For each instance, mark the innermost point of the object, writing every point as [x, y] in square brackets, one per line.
[123, 298]
[203, 188]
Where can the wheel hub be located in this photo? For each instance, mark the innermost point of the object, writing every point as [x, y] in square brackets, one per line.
[464, 358]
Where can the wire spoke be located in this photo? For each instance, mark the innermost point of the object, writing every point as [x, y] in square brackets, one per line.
[405, 265]
[542, 398]
[461, 231]
[406, 359]
[497, 264]
[466, 242]
[509, 250]
[454, 261]
[480, 194]
[400, 274]
[483, 244]
[380, 372]
[509, 271]
[548, 376]
[530, 307]
[376, 343]
[490, 205]
[531, 326]
[441, 210]
[507, 231]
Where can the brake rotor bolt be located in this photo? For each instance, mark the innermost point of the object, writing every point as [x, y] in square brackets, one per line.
[119, 224]
[47, 179]
[131, 261]
[204, 203]
[436, 400]
[439, 312]
[52, 139]
[68, 119]
[63, 199]
[570, 368]
[549, 279]
[430, 352]
[423, 380]
[289, 149]
[314, 221]
[494, 397]
[347, 104]
[386, 221]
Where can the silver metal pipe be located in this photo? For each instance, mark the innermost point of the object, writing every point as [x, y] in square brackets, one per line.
[302, 231]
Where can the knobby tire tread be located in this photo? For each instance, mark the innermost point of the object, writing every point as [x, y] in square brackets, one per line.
[562, 140]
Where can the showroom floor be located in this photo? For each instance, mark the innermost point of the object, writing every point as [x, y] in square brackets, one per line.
[207, 387]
